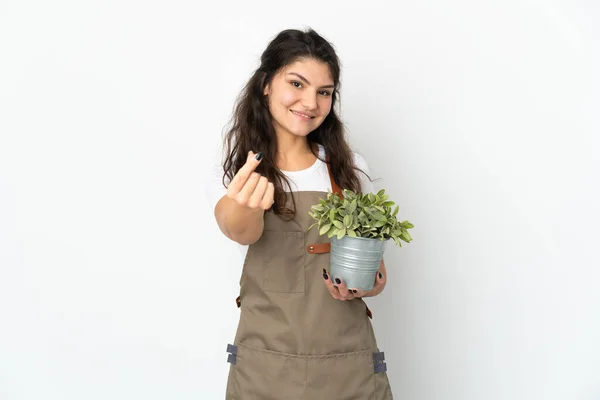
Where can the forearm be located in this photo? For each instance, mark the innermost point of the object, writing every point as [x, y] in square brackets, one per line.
[239, 223]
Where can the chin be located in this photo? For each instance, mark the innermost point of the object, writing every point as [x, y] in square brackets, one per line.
[302, 133]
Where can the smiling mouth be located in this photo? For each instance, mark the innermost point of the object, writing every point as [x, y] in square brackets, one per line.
[303, 116]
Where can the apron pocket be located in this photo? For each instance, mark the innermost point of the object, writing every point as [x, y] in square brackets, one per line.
[283, 255]
[347, 376]
[269, 375]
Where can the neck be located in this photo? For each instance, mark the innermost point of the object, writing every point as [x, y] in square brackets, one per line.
[294, 153]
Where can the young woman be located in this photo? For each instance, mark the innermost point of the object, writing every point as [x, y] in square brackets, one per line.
[300, 335]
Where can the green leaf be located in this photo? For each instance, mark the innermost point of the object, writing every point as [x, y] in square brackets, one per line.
[404, 235]
[352, 233]
[338, 224]
[341, 233]
[324, 229]
[379, 224]
[380, 217]
[352, 206]
[332, 231]
[348, 221]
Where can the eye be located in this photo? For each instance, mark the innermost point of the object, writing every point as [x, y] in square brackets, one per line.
[296, 84]
[325, 92]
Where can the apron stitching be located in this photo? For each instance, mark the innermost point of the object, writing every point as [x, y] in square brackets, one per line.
[365, 353]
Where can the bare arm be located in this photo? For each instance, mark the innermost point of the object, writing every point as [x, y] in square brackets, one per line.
[239, 223]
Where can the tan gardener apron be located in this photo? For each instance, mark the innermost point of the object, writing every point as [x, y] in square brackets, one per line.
[294, 341]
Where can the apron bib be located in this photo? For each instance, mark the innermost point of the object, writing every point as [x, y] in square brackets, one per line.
[294, 341]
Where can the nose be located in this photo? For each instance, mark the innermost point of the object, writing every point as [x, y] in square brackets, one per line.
[309, 100]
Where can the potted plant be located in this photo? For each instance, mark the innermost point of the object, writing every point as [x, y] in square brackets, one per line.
[359, 226]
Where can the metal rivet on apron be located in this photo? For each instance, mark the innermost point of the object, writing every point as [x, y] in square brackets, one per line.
[311, 248]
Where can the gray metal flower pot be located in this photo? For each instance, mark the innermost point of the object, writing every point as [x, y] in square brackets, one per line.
[356, 260]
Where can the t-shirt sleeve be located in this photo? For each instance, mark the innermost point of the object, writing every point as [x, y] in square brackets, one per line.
[366, 184]
[214, 185]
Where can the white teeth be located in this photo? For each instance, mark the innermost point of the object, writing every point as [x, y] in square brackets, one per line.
[303, 115]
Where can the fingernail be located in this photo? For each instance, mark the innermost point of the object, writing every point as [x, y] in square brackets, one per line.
[355, 291]
[349, 291]
[380, 275]
[337, 280]
[325, 276]
[324, 271]
[259, 156]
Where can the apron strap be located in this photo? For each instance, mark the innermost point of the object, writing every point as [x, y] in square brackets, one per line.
[319, 248]
[334, 186]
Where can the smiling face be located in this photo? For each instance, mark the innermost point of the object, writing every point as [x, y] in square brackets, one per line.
[300, 97]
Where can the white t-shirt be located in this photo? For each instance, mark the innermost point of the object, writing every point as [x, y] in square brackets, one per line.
[313, 178]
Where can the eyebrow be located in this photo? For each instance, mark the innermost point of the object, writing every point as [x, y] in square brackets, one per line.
[306, 80]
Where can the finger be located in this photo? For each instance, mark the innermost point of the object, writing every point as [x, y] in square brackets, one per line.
[358, 293]
[379, 283]
[240, 178]
[345, 293]
[256, 197]
[269, 197]
[332, 289]
[380, 278]
[243, 197]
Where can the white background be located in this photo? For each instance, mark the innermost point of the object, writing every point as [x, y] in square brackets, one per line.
[480, 118]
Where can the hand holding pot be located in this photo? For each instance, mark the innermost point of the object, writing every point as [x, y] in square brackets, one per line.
[249, 188]
[340, 291]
